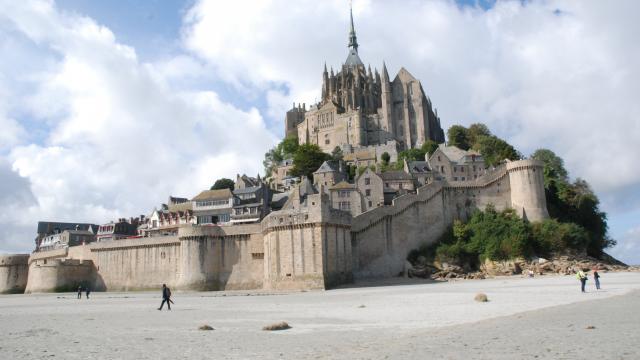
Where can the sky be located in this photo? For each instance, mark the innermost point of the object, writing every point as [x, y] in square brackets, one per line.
[109, 107]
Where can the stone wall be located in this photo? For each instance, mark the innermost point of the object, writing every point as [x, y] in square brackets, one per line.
[307, 245]
[54, 275]
[382, 237]
[136, 264]
[14, 270]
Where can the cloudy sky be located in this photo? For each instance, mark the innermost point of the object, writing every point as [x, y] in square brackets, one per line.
[107, 108]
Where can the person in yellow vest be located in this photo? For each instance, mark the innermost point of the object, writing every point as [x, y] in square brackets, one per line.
[582, 277]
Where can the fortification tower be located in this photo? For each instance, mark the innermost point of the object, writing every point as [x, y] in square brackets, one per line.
[527, 189]
[14, 270]
[200, 261]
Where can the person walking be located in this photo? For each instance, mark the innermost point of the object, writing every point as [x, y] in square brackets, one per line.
[582, 277]
[87, 291]
[596, 278]
[166, 297]
[79, 291]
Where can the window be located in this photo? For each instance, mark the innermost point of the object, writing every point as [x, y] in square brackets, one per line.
[400, 185]
[344, 205]
[367, 192]
[442, 169]
[367, 181]
[455, 178]
[454, 169]
[439, 158]
[462, 178]
[370, 203]
[327, 142]
[474, 168]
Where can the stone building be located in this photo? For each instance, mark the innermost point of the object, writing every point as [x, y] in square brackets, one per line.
[455, 164]
[361, 108]
[281, 178]
[346, 197]
[371, 186]
[250, 204]
[420, 171]
[330, 173]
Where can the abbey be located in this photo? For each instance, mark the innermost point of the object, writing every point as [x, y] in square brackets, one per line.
[361, 108]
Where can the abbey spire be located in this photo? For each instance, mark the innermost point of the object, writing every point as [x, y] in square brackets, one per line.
[353, 59]
[353, 40]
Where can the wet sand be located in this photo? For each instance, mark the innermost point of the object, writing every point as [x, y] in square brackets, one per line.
[545, 317]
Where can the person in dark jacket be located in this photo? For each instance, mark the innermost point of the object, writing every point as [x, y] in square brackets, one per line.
[596, 278]
[87, 291]
[166, 297]
[80, 292]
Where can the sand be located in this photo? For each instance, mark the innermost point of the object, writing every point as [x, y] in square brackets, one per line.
[544, 317]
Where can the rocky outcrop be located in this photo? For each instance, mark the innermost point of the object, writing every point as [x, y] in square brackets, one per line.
[565, 264]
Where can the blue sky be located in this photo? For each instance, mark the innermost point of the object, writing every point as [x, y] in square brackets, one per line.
[175, 94]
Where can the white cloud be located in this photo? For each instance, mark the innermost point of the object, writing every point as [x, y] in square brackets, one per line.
[120, 139]
[554, 74]
[116, 136]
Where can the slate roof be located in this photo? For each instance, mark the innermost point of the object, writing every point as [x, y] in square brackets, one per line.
[353, 59]
[183, 206]
[343, 185]
[328, 166]
[417, 167]
[213, 195]
[45, 227]
[247, 190]
[395, 175]
[455, 154]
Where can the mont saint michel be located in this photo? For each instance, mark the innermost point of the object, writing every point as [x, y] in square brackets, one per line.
[314, 180]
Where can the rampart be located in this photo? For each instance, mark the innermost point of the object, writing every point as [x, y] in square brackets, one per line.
[383, 237]
[307, 245]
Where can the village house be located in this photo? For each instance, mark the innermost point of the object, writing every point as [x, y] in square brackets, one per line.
[121, 229]
[67, 238]
[455, 164]
[213, 206]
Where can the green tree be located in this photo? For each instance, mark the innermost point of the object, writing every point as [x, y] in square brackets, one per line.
[307, 159]
[458, 137]
[429, 147]
[553, 165]
[288, 146]
[475, 131]
[494, 150]
[223, 183]
[336, 154]
[411, 155]
[284, 150]
[385, 158]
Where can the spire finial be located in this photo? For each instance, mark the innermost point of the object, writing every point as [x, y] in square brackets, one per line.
[353, 41]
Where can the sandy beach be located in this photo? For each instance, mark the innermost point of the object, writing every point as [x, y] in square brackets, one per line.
[543, 317]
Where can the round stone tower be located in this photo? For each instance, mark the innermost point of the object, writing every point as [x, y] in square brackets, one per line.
[200, 258]
[13, 273]
[526, 179]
